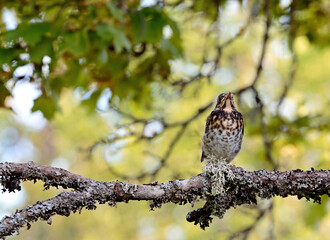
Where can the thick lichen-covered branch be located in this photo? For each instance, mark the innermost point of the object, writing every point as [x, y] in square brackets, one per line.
[89, 192]
[12, 173]
[243, 187]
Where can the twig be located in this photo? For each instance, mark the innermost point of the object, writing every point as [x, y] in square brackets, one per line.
[266, 141]
[263, 52]
[163, 160]
[183, 126]
[294, 60]
[219, 48]
[246, 231]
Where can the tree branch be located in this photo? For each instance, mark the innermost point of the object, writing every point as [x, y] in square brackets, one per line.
[182, 125]
[243, 188]
[12, 173]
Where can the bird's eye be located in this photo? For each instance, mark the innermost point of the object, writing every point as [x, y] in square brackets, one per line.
[220, 97]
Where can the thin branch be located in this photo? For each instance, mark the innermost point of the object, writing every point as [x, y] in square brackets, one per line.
[202, 109]
[130, 116]
[111, 139]
[288, 84]
[245, 232]
[183, 126]
[263, 51]
[163, 160]
[294, 60]
[252, 86]
[243, 29]
[219, 48]
[265, 137]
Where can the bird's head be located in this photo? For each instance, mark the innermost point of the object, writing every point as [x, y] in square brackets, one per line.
[225, 101]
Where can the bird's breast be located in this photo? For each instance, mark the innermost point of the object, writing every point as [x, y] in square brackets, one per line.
[223, 137]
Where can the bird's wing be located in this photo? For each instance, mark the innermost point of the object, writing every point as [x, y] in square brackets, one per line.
[208, 122]
[243, 127]
[202, 157]
[242, 122]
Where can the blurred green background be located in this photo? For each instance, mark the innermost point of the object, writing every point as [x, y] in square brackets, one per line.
[93, 86]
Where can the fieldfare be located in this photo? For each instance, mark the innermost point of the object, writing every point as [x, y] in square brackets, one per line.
[223, 131]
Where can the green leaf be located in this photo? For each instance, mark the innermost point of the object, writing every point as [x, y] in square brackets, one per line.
[103, 56]
[116, 12]
[109, 32]
[31, 33]
[76, 42]
[76, 76]
[90, 103]
[208, 8]
[168, 47]
[148, 25]
[46, 105]
[7, 55]
[175, 28]
[121, 42]
[42, 49]
[105, 31]
[116, 65]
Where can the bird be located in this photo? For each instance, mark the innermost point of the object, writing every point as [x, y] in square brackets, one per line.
[224, 130]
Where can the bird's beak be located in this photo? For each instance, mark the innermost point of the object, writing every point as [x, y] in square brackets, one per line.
[228, 106]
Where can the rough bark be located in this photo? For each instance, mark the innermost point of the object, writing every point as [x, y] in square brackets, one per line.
[243, 188]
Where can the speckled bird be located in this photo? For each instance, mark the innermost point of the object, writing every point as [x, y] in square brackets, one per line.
[223, 131]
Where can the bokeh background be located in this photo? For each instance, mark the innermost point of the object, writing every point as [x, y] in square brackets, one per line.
[118, 90]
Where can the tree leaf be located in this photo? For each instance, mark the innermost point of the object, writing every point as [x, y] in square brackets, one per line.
[116, 12]
[31, 33]
[76, 76]
[148, 25]
[7, 55]
[46, 105]
[109, 32]
[90, 103]
[116, 64]
[76, 42]
[105, 31]
[42, 49]
[167, 46]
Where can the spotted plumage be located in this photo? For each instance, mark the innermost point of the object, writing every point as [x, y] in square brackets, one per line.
[223, 131]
